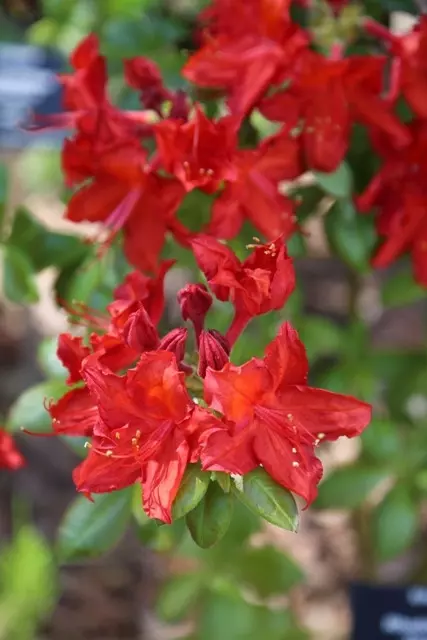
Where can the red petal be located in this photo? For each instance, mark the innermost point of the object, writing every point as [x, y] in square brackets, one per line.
[75, 414]
[286, 359]
[234, 391]
[101, 474]
[71, 351]
[299, 471]
[161, 478]
[322, 412]
[95, 202]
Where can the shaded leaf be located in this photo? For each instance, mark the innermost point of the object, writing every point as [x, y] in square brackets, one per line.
[91, 528]
[267, 570]
[209, 521]
[348, 487]
[262, 495]
[29, 410]
[192, 489]
[338, 183]
[48, 360]
[395, 523]
[401, 289]
[350, 235]
[178, 595]
[18, 276]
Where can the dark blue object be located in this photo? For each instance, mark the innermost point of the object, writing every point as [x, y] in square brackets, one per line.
[389, 613]
[28, 84]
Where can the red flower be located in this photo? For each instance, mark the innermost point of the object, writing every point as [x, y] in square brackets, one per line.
[261, 283]
[195, 302]
[147, 432]
[275, 419]
[399, 193]
[75, 414]
[143, 205]
[408, 64]
[71, 351]
[10, 458]
[143, 75]
[255, 194]
[138, 287]
[327, 96]
[86, 88]
[246, 48]
[198, 152]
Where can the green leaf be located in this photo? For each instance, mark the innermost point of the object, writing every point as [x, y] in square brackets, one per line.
[91, 528]
[338, 183]
[18, 277]
[48, 360]
[42, 247]
[382, 441]
[178, 595]
[348, 487]
[401, 289]
[229, 617]
[87, 278]
[267, 570]
[209, 521]
[350, 235]
[395, 523]
[307, 200]
[192, 489]
[262, 495]
[29, 411]
[321, 337]
[29, 584]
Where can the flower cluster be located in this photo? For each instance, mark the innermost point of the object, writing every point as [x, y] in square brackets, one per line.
[151, 404]
[147, 424]
[131, 170]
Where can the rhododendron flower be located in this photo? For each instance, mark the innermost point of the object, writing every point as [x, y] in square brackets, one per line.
[255, 195]
[261, 283]
[199, 152]
[399, 193]
[246, 47]
[10, 457]
[409, 52]
[273, 418]
[147, 432]
[327, 96]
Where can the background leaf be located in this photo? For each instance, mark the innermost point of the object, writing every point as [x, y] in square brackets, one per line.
[89, 529]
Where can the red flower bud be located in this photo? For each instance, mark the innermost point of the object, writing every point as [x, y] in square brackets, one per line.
[139, 333]
[175, 341]
[214, 351]
[195, 301]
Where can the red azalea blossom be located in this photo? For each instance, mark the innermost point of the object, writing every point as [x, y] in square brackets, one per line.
[273, 418]
[147, 432]
[255, 195]
[198, 152]
[245, 48]
[409, 73]
[261, 283]
[10, 457]
[399, 193]
[327, 96]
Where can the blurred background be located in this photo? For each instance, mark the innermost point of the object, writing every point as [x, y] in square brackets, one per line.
[358, 335]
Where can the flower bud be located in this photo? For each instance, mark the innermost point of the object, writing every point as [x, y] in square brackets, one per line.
[195, 301]
[139, 333]
[175, 341]
[214, 351]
